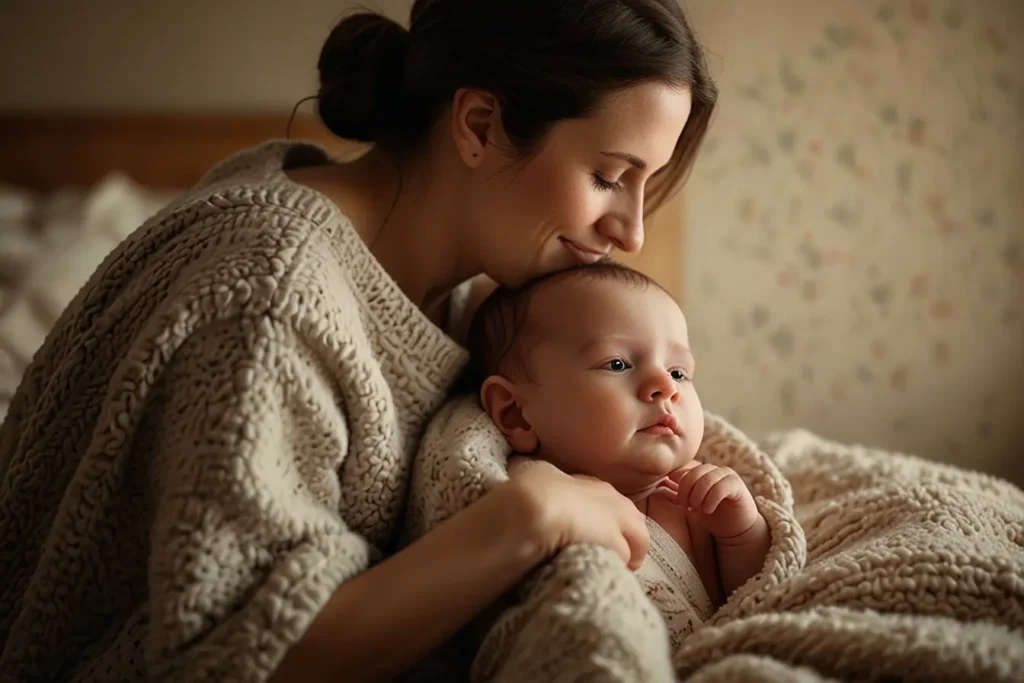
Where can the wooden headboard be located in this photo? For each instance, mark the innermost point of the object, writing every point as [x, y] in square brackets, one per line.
[46, 150]
[165, 151]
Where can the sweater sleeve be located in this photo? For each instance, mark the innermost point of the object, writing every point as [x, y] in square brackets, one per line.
[582, 616]
[247, 541]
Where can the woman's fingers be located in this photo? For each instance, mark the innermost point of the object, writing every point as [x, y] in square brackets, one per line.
[637, 536]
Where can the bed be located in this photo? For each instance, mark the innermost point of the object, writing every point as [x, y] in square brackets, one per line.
[73, 185]
[883, 565]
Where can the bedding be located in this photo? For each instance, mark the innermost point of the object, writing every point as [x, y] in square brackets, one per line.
[49, 246]
[882, 565]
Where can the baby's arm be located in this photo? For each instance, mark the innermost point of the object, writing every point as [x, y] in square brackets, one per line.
[719, 501]
[740, 557]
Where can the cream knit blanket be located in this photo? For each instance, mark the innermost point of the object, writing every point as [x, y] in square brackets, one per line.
[898, 568]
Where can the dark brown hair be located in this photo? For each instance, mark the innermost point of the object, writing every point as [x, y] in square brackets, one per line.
[544, 61]
[500, 327]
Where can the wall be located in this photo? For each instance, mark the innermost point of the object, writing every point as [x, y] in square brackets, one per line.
[856, 224]
[149, 54]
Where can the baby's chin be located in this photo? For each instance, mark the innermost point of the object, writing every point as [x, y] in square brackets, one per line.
[644, 474]
[657, 462]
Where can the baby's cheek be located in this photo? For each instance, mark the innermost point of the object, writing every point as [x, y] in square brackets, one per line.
[694, 418]
[570, 424]
[595, 433]
[609, 414]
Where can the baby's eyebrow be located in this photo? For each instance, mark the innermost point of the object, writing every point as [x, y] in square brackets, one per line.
[603, 344]
[611, 340]
[682, 349]
[588, 346]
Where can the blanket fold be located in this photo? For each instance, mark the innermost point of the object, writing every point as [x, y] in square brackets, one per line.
[584, 606]
[882, 565]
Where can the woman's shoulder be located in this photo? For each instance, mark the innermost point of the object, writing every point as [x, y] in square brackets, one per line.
[246, 218]
[242, 243]
[253, 183]
[266, 162]
[247, 242]
[244, 222]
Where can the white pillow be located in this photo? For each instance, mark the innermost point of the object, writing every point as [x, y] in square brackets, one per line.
[55, 246]
[108, 214]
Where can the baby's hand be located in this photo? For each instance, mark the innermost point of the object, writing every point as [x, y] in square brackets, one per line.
[717, 497]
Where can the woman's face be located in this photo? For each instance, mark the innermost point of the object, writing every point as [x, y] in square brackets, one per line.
[581, 193]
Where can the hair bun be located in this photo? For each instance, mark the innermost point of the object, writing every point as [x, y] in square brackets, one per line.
[360, 67]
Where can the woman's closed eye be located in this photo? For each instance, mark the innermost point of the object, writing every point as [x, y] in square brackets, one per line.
[605, 185]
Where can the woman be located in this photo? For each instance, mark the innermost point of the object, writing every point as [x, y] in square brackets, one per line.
[206, 462]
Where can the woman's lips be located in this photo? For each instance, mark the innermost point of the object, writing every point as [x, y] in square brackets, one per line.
[585, 256]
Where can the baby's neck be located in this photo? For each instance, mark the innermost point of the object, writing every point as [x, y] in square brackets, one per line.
[642, 498]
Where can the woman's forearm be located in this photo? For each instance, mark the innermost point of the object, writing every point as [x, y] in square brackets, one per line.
[381, 622]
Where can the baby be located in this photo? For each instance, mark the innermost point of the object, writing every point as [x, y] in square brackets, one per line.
[590, 369]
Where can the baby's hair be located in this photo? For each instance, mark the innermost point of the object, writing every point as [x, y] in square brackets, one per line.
[500, 327]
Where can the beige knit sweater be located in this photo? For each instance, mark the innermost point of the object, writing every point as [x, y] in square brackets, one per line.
[216, 434]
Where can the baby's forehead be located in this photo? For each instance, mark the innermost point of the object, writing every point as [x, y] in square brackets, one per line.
[575, 301]
[582, 308]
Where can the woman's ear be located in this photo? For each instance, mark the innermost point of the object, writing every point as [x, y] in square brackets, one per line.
[476, 125]
[500, 401]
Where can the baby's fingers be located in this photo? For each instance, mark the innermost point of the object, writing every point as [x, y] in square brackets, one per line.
[698, 494]
[727, 487]
[688, 480]
[677, 475]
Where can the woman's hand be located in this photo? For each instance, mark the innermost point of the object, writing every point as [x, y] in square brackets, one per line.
[568, 510]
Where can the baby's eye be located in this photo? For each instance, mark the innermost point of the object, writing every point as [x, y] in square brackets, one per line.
[616, 365]
[679, 375]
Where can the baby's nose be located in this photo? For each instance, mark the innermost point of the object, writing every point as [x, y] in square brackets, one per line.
[661, 386]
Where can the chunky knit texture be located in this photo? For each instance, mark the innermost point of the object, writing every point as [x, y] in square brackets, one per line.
[220, 430]
[216, 434]
[914, 571]
[881, 565]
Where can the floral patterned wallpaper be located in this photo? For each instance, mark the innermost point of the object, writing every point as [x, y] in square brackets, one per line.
[856, 224]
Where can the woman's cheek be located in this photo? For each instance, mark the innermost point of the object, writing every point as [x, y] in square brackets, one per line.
[587, 207]
[569, 198]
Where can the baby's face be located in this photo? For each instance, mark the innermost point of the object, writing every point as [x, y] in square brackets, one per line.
[610, 392]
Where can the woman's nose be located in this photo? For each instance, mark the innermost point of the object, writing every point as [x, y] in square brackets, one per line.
[624, 231]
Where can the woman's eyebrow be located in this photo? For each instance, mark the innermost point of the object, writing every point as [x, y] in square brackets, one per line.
[631, 159]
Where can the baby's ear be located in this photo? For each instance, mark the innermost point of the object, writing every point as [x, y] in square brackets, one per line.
[501, 401]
